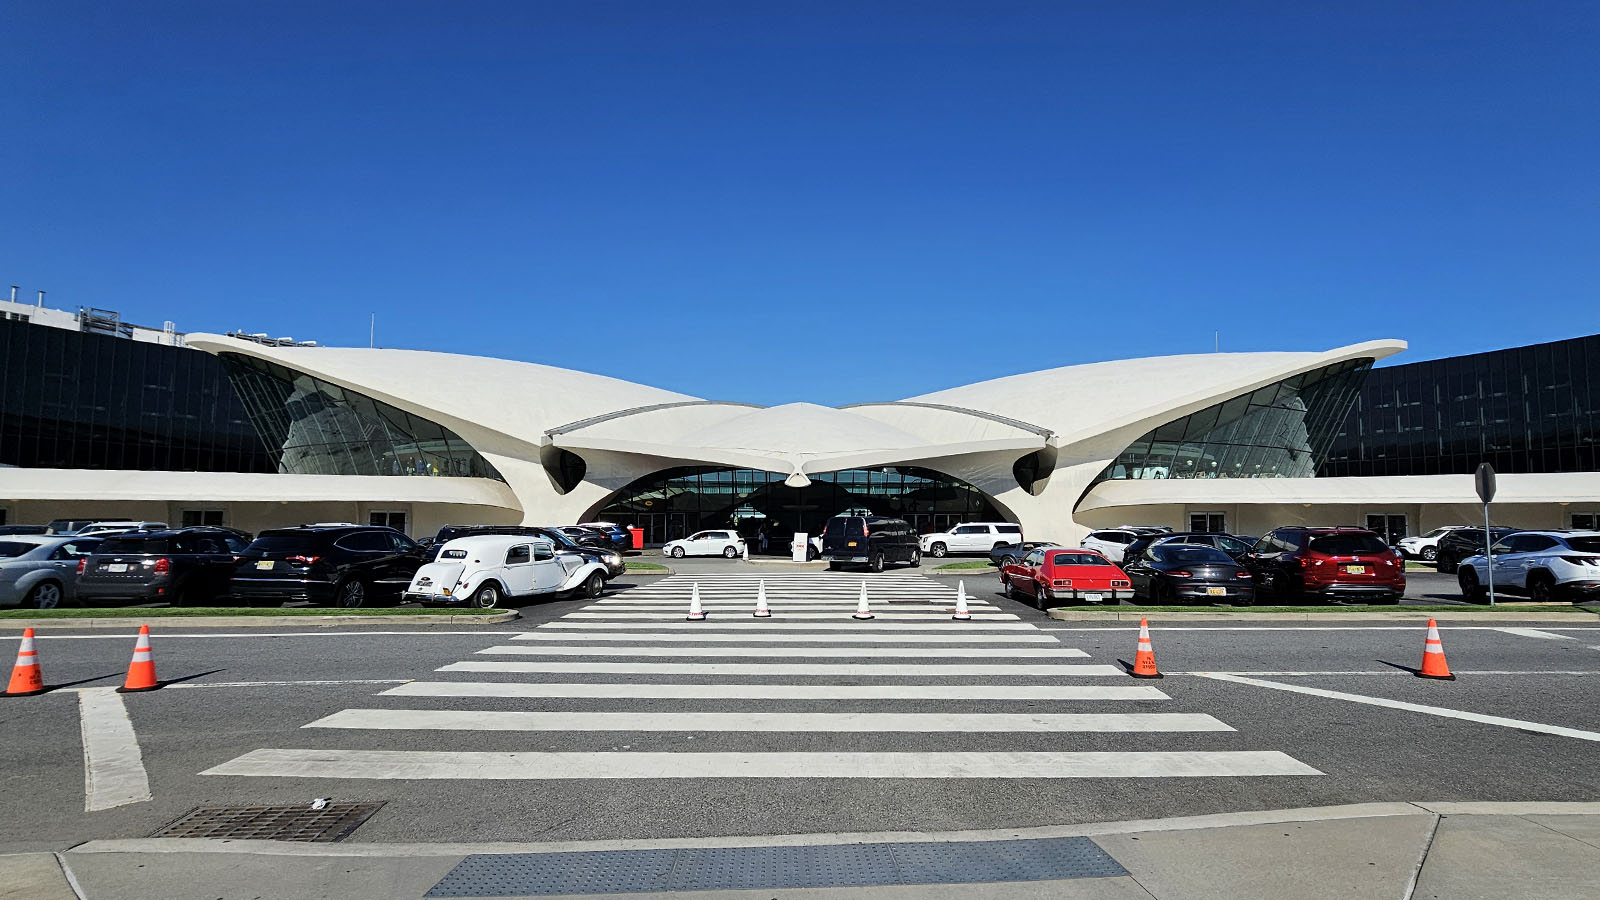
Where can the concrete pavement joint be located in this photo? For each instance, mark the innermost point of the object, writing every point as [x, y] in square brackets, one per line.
[1422, 860]
[72, 880]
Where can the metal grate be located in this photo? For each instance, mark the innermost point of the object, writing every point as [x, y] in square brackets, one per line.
[735, 868]
[333, 822]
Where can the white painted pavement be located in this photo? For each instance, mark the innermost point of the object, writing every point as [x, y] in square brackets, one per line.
[629, 691]
[468, 764]
[839, 652]
[845, 623]
[779, 612]
[976, 723]
[951, 637]
[909, 670]
[113, 766]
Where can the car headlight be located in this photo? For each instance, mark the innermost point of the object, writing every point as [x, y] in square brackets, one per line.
[611, 558]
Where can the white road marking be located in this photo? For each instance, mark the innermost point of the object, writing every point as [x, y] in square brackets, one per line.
[1397, 672]
[424, 764]
[628, 691]
[113, 768]
[840, 652]
[843, 612]
[480, 720]
[231, 684]
[1536, 633]
[853, 669]
[747, 623]
[122, 635]
[778, 606]
[954, 637]
[1559, 730]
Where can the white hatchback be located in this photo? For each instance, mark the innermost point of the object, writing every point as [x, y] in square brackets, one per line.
[706, 543]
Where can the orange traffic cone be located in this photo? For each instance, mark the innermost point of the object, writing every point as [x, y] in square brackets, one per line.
[26, 678]
[142, 671]
[1144, 661]
[1433, 664]
[863, 611]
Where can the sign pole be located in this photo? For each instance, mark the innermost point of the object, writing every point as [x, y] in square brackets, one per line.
[1484, 481]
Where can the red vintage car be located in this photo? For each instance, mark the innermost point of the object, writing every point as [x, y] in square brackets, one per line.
[1065, 575]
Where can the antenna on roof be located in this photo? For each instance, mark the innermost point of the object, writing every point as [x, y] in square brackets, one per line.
[1216, 342]
[372, 331]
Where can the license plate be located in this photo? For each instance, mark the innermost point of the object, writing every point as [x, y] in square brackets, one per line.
[264, 565]
[116, 567]
[1217, 592]
[1093, 598]
[1355, 570]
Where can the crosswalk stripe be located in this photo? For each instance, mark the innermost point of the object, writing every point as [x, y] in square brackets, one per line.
[630, 691]
[898, 671]
[949, 638]
[477, 764]
[747, 623]
[896, 616]
[871, 652]
[981, 723]
[933, 610]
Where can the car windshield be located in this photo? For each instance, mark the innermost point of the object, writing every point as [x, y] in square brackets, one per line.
[281, 543]
[1347, 544]
[1189, 554]
[10, 549]
[1585, 544]
[1079, 559]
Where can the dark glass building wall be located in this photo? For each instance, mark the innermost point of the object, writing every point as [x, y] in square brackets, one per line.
[1282, 430]
[86, 401]
[311, 427]
[677, 502]
[1526, 409]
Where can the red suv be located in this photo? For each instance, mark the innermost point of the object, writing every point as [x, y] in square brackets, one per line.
[1332, 563]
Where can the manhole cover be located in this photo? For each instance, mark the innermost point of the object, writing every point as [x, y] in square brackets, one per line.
[333, 822]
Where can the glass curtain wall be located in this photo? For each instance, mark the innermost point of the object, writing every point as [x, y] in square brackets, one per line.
[315, 428]
[70, 400]
[1529, 409]
[677, 502]
[1280, 431]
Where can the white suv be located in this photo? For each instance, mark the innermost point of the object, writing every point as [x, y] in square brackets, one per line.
[1425, 546]
[973, 537]
[1113, 542]
[1541, 565]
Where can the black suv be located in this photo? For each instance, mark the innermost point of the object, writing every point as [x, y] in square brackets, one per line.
[1233, 546]
[344, 565]
[611, 559]
[184, 566]
[1461, 543]
[870, 540]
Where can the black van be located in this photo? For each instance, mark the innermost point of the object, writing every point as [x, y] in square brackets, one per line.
[872, 541]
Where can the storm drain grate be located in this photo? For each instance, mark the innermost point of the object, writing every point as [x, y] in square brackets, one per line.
[733, 868]
[333, 822]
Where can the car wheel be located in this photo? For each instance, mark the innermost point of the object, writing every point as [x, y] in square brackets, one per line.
[1008, 588]
[350, 594]
[938, 549]
[1041, 596]
[677, 553]
[487, 596]
[916, 557]
[812, 554]
[594, 585]
[1429, 554]
[1007, 561]
[1162, 594]
[1471, 590]
[45, 595]
[877, 562]
[729, 553]
[1541, 588]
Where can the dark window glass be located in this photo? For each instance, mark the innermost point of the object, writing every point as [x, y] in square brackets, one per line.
[272, 544]
[365, 541]
[9, 549]
[136, 545]
[518, 554]
[1585, 544]
[1347, 544]
[1191, 554]
[1079, 559]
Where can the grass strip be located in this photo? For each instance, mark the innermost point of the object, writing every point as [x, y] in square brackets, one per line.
[154, 612]
[646, 567]
[973, 566]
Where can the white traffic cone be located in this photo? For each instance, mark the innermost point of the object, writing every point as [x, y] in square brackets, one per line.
[862, 611]
[761, 601]
[962, 614]
[696, 614]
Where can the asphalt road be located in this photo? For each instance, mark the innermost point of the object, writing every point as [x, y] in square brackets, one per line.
[258, 689]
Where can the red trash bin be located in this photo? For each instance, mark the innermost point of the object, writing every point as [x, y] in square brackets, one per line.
[638, 538]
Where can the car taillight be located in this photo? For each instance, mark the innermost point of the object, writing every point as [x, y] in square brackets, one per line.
[308, 560]
[1117, 584]
[83, 563]
[1061, 582]
[163, 566]
[1242, 573]
[1181, 573]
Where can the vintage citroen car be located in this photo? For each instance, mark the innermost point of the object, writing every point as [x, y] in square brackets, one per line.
[487, 570]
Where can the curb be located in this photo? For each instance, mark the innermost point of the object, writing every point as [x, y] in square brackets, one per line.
[1133, 615]
[130, 621]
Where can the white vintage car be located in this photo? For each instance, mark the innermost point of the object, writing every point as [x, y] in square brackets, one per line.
[486, 570]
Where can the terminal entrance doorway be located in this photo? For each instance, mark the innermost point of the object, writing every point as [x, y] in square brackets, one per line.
[678, 502]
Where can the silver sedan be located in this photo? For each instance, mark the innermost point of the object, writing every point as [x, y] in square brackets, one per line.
[39, 570]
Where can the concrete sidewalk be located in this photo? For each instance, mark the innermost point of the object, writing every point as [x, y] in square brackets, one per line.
[1462, 851]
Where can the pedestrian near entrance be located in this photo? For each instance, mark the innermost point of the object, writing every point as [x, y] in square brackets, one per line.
[761, 539]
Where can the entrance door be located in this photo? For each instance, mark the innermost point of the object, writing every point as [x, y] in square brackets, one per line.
[1389, 526]
[677, 526]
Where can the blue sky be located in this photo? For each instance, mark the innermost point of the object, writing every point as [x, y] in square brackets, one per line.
[832, 202]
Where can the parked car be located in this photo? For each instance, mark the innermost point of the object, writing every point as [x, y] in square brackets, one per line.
[117, 526]
[717, 542]
[971, 537]
[41, 571]
[1544, 566]
[1465, 542]
[185, 566]
[1426, 546]
[1330, 563]
[1006, 554]
[6, 530]
[813, 547]
[587, 537]
[1234, 545]
[611, 559]
[488, 570]
[621, 538]
[1113, 542]
[1181, 572]
[71, 526]
[1067, 574]
[872, 541]
[344, 565]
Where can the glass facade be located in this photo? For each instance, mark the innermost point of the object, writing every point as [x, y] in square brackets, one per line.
[72, 400]
[1280, 431]
[677, 502]
[311, 427]
[1527, 409]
